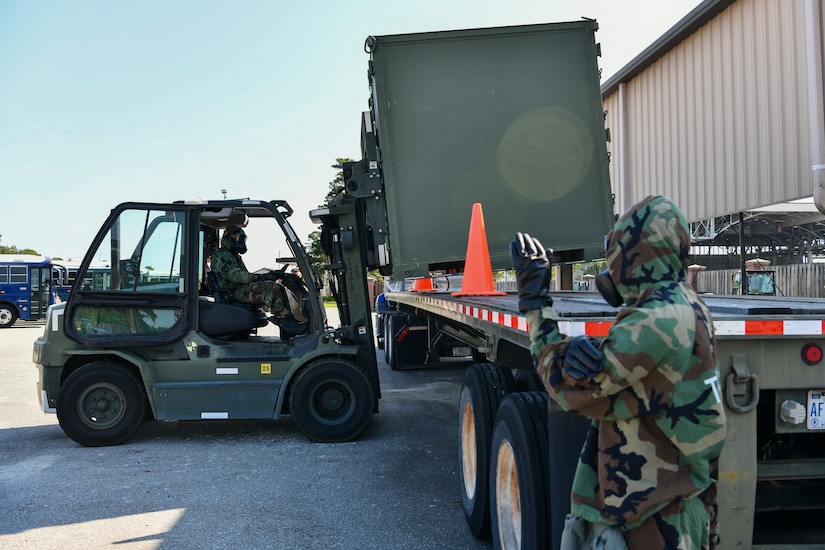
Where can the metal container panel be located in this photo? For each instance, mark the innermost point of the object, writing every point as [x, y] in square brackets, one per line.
[507, 117]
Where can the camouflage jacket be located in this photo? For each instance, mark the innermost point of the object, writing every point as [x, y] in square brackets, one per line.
[229, 269]
[658, 424]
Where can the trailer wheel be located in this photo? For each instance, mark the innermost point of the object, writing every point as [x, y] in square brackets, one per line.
[528, 380]
[331, 400]
[519, 476]
[407, 344]
[389, 343]
[484, 386]
[100, 404]
[8, 315]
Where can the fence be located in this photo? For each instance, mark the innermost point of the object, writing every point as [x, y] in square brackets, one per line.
[799, 280]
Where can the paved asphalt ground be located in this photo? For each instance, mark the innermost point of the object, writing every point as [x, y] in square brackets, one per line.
[242, 484]
[250, 484]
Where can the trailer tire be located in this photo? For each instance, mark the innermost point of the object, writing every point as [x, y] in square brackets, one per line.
[528, 380]
[484, 387]
[411, 350]
[101, 404]
[519, 473]
[8, 315]
[331, 400]
[389, 344]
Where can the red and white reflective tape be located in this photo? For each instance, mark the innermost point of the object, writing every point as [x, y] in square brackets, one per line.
[517, 322]
[761, 327]
[770, 327]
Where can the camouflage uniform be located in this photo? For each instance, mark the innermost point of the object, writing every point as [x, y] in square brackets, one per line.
[232, 275]
[648, 465]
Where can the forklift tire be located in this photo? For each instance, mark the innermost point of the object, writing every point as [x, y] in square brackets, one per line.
[485, 386]
[331, 400]
[520, 474]
[101, 404]
[8, 315]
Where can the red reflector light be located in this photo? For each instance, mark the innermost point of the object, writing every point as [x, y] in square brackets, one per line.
[811, 354]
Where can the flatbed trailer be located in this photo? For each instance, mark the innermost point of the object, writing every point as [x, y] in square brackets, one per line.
[769, 351]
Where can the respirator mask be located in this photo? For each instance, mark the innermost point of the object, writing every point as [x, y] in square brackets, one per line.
[608, 290]
[237, 242]
[605, 284]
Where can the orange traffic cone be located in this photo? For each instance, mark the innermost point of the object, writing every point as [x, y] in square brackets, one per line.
[424, 284]
[478, 272]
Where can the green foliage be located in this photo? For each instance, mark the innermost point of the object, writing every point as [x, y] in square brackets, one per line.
[588, 268]
[314, 248]
[14, 250]
[337, 184]
[316, 254]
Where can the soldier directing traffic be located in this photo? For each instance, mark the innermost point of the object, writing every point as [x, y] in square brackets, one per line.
[646, 476]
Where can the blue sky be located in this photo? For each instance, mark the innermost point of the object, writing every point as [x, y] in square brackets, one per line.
[103, 102]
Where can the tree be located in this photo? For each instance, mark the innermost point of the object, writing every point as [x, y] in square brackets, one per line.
[316, 254]
[14, 250]
[336, 185]
[314, 249]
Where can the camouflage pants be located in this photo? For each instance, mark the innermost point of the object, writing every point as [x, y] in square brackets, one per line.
[267, 294]
[683, 525]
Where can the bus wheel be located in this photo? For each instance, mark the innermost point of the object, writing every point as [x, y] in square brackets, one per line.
[8, 315]
[485, 385]
[519, 475]
[331, 400]
[100, 404]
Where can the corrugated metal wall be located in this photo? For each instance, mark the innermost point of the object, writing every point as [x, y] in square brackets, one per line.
[720, 123]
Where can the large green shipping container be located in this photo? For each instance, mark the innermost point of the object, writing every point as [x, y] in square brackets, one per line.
[507, 117]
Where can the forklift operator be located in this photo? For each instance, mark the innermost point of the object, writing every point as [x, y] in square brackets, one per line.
[265, 290]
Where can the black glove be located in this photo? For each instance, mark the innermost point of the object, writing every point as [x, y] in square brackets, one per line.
[271, 276]
[532, 272]
[583, 358]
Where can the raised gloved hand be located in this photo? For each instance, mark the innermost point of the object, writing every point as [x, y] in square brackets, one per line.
[583, 358]
[532, 272]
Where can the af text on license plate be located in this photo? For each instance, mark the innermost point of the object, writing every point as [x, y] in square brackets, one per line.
[816, 410]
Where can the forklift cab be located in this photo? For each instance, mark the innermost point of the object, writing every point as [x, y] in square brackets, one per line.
[159, 285]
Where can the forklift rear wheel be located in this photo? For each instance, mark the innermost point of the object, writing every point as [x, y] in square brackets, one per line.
[485, 385]
[331, 400]
[101, 404]
[519, 473]
[8, 315]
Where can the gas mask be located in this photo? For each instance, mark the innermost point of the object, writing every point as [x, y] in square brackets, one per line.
[237, 240]
[608, 290]
[605, 285]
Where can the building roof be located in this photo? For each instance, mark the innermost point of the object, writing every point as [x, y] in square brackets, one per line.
[689, 24]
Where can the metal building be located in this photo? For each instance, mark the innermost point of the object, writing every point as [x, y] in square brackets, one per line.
[724, 114]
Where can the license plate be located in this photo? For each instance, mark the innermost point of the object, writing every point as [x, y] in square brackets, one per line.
[816, 410]
[461, 352]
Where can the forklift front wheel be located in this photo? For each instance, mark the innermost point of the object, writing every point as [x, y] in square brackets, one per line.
[331, 400]
[100, 404]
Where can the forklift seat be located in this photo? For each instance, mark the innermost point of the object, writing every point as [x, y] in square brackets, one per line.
[224, 318]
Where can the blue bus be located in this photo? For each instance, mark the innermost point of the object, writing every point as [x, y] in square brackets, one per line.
[64, 273]
[25, 288]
